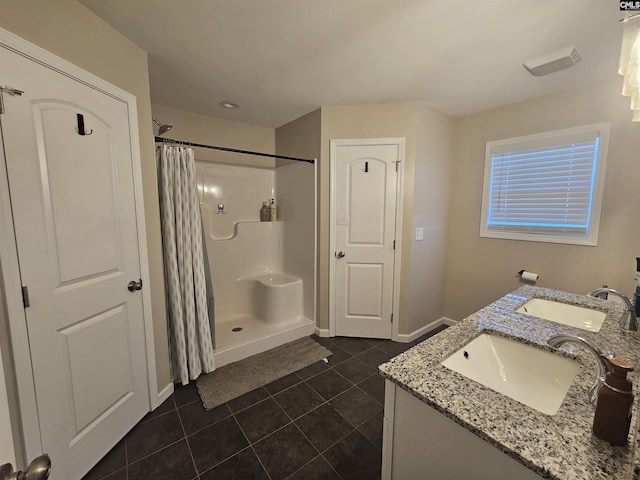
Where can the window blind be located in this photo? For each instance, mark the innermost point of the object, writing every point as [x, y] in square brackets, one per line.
[543, 188]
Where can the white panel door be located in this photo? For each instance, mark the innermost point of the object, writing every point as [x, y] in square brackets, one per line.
[365, 209]
[73, 205]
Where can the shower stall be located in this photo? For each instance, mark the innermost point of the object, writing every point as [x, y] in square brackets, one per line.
[263, 273]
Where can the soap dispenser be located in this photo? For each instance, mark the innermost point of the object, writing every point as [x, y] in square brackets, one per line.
[615, 399]
[272, 211]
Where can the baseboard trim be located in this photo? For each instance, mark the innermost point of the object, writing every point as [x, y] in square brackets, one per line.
[404, 338]
[163, 394]
[322, 332]
[407, 338]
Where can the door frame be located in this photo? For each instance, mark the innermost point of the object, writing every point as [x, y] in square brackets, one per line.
[335, 144]
[27, 411]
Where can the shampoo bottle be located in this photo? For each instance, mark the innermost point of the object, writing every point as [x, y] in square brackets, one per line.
[272, 211]
[615, 399]
[264, 212]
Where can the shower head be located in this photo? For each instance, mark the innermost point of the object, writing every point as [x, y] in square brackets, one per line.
[162, 128]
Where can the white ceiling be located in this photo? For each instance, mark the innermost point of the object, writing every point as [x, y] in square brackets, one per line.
[280, 59]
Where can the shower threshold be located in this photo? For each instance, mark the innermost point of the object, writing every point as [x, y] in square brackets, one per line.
[255, 336]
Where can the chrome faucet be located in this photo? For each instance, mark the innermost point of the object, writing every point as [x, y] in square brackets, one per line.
[629, 320]
[603, 366]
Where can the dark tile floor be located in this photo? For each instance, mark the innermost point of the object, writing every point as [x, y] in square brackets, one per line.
[322, 422]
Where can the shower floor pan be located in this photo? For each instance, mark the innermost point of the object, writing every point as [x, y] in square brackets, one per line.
[255, 336]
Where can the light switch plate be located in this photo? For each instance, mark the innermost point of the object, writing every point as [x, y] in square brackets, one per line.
[420, 233]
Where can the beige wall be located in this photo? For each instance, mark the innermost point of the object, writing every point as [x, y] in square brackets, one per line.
[193, 127]
[434, 150]
[301, 137]
[419, 125]
[71, 31]
[479, 270]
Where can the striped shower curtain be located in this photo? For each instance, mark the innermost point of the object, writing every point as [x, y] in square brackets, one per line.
[190, 336]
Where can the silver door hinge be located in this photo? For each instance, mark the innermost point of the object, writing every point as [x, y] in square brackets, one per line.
[25, 297]
[11, 91]
[397, 162]
[391, 317]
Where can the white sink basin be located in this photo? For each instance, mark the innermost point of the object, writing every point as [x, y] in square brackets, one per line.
[530, 375]
[572, 315]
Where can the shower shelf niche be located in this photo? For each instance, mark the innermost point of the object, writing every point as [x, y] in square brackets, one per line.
[214, 228]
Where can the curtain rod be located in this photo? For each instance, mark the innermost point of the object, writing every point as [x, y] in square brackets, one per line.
[233, 150]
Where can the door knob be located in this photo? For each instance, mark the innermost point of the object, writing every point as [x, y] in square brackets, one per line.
[340, 255]
[39, 469]
[132, 286]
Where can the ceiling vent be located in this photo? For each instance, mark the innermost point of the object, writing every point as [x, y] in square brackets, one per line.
[553, 62]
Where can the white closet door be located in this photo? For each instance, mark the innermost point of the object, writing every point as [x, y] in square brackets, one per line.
[73, 205]
[365, 202]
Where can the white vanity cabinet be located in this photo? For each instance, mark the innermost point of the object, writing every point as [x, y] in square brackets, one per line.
[421, 443]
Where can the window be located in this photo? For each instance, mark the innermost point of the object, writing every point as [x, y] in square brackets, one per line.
[546, 187]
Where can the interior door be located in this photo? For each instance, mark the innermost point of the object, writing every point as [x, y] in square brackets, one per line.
[73, 207]
[365, 206]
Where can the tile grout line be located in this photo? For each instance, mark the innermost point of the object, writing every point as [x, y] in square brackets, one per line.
[354, 429]
[312, 446]
[229, 458]
[193, 460]
[128, 463]
[198, 430]
[331, 466]
[299, 381]
[356, 385]
[367, 394]
[326, 402]
[250, 445]
[154, 452]
[292, 421]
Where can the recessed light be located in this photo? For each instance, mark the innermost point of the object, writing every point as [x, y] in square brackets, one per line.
[228, 104]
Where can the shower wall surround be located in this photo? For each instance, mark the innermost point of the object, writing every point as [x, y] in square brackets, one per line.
[247, 259]
[237, 243]
[296, 196]
[241, 191]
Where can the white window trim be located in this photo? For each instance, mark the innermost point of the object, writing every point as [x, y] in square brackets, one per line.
[603, 132]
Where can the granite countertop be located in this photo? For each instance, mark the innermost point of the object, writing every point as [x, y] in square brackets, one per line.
[559, 446]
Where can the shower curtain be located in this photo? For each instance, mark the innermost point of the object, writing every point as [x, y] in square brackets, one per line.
[190, 328]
